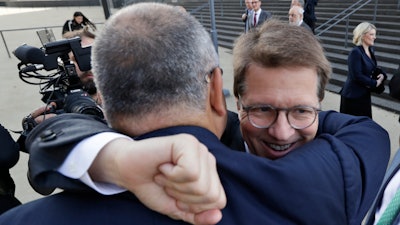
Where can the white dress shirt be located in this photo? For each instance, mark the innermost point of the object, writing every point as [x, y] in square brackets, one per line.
[390, 191]
[77, 163]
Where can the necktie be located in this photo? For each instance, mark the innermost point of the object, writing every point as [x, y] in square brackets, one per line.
[255, 19]
[391, 211]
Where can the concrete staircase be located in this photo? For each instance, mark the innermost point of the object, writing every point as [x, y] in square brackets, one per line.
[335, 41]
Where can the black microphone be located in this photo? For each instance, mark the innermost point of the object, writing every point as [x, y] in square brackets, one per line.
[28, 54]
[32, 68]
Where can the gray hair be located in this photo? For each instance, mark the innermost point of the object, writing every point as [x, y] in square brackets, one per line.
[151, 57]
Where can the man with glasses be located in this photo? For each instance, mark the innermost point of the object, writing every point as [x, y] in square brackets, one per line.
[258, 16]
[332, 166]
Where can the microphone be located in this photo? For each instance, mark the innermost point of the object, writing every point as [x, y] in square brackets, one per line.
[32, 68]
[28, 54]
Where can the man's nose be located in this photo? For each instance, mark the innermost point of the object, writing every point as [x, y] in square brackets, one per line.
[281, 129]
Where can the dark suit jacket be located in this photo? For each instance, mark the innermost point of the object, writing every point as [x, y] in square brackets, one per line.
[9, 155]
[246, 21]
[392, 170]
[331, 180]
[360, 67]
[261, 19]
[303, 24]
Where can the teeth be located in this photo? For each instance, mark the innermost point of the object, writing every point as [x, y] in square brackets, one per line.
[279, 147]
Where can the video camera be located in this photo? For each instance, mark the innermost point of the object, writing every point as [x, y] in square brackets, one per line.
[63, 86]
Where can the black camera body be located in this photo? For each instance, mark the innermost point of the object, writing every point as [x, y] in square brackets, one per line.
[64, 86]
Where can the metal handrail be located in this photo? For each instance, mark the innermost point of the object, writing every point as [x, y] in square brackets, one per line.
[213, 30]
[22, 29]
[346, 16]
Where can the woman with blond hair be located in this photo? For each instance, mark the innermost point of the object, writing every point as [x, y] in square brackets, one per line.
[362, 78]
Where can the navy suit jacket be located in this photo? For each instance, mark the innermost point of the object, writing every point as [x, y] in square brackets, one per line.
[331, 180]
[392, 170]
[360, 67]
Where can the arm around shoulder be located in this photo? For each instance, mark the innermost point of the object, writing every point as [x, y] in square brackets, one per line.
[49, 144]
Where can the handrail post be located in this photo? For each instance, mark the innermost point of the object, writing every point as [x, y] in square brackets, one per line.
[347, 32]
[213, 26]
[5, 44]
[375, 11]
[222, 8]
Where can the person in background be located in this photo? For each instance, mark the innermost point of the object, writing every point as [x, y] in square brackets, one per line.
[247, 14]
[298, 3]
[296, 17]
[9, 155]
[47, 111]
[309, 13]
[86, 77]
[258, 16]
[77, 25]
[356, 92]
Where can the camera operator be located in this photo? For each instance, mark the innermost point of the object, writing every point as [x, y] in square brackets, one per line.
[87, 80]
[8, 158]
[86, 77]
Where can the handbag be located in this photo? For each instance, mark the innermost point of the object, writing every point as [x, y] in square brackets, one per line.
[374, 75]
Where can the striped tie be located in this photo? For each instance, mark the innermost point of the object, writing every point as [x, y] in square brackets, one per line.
[392, 210]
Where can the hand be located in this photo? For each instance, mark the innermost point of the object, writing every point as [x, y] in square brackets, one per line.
[380, 79]
[42, 113]
[174, 175]
[244, 16]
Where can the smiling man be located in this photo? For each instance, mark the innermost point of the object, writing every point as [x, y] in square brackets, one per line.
[333, 163]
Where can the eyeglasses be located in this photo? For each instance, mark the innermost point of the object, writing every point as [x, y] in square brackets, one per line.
[264, 116]
[255, 2]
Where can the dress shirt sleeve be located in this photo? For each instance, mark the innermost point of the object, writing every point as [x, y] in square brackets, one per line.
[77, 163]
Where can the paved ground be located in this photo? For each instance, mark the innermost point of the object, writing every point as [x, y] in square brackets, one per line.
[19, 99]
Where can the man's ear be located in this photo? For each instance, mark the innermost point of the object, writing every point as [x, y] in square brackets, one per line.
[217, 98]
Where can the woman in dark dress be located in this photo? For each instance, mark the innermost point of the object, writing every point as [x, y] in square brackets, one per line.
[356, 93]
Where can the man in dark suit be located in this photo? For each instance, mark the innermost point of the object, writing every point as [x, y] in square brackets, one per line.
[246, 15]
[257, 15]
[309, 13]
[328, 166]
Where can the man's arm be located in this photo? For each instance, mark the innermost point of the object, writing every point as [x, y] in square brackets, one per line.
[369, 145]
[166, 179]
[50, 143]
[180, 180]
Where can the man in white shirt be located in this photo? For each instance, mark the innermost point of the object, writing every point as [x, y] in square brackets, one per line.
[259, 16]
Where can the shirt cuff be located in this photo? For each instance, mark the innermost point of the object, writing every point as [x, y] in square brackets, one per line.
[77, 163]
